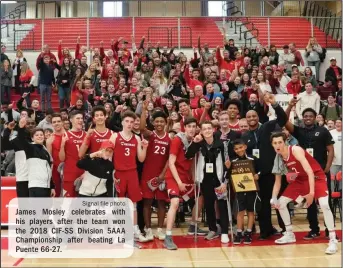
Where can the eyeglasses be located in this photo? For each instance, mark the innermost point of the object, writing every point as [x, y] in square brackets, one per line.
[31, 123]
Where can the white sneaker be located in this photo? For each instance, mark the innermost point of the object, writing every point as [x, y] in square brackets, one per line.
[332, 248]
[160, 235]
[149, 235]
[140, 238]
[287, 238]
[225, 238]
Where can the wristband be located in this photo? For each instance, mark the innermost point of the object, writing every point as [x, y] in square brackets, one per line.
[274, 200]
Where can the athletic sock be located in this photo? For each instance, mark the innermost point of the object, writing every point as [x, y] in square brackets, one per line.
[249, 230]
[289, 229]
[169, 233]
[239, 230]
[332, 235]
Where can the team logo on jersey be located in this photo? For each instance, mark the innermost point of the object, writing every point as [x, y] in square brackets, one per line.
[316, 134]
[291, 177]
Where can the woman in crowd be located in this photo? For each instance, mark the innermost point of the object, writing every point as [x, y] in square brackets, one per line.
[16, 66]
[313, 51]
[64, 79]
[26, 80]
[6, 81]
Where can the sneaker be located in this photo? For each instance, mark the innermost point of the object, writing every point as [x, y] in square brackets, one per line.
[140, 238]
[148, 235]
[247, 238]
[332, 248]
[224, 238]
[135, 245]
[169, 243]
[311, 235]
[238, 239]
[287, 238]
[191, 230]
[160, 235]
[211, 235]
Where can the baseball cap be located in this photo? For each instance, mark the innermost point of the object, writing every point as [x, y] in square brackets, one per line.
[107, 145]
[294, 65]
[332, 58]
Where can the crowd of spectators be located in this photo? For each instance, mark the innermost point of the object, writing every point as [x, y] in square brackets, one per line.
[236, 80]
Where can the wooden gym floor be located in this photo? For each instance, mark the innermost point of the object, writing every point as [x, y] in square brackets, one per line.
[207, 253]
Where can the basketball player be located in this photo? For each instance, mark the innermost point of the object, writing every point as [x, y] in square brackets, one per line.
[53, 144]
[154, 168]
[127, 146]
[69, 153]
[179, 179]
[309, 183]
[233, 110]
[95, 136]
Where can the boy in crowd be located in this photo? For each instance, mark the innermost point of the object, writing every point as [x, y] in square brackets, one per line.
[247, 202]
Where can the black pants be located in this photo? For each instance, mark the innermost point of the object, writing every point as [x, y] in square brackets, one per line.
[207, 189]
[312, 211]
[39, 192]
[140, 206]
[266, 184]
[22, 189]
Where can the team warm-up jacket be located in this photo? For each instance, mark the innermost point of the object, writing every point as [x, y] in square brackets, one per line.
[98, 177]
[38, 161]
[22, 173]
[213, 154]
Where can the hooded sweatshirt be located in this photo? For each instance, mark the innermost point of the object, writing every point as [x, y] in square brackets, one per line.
[307, 100]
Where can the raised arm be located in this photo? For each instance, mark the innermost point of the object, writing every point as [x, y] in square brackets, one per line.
[85, 144]
[61, 154]
[141, 149]
[142, 126]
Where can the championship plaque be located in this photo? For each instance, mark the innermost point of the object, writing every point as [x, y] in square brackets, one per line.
[242, 176]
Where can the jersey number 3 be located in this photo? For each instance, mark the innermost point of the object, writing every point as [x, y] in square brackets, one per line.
[127, 151]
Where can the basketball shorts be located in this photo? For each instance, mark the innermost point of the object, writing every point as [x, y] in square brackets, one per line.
[300, 187]
[173, 188]
[149, 194]
[128, 185]
[249, 201]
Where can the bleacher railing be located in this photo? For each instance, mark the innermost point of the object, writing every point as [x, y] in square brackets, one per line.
[173, 31]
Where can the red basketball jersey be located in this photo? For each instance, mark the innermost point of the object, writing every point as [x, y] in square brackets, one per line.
[235, 127]
[72, 146]
[293, 165]
[125, 153]
[95, 140]
[56, 146]
[182, 164]
[157, 155]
